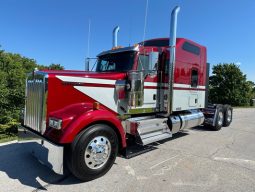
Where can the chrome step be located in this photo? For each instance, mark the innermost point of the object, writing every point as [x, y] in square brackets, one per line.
[149, 129]
[158, 136]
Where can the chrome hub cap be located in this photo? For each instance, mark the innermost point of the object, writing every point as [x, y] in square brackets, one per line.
[220, 118]
[97, 152]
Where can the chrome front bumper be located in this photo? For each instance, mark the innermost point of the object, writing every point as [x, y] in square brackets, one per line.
[47, 153]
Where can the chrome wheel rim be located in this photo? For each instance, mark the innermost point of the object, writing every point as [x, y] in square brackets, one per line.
[229, 114]
[220, 118]
[97, 152]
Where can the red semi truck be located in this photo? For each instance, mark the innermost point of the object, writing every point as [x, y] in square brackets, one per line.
[136, 96]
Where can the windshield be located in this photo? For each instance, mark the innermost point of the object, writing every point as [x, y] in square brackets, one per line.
[119, 62]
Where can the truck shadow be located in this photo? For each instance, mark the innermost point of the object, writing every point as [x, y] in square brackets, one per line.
[175, 136]
[202, 128]
[18, 163]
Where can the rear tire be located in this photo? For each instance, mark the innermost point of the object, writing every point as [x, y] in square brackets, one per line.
[219, 118]
[93, 152]
[228, 113]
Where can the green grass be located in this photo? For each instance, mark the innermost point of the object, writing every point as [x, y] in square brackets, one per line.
[9, 131]
[6, 138]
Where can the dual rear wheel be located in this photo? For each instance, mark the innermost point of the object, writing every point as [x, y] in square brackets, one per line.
[223, 117]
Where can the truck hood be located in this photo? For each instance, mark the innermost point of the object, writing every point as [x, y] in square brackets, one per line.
[66, 88]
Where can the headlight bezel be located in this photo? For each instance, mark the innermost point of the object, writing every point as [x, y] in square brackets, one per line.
[55, 123]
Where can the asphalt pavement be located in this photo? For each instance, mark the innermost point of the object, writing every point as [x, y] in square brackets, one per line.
[195, 160]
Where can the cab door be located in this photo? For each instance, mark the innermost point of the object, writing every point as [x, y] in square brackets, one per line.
[148, 63]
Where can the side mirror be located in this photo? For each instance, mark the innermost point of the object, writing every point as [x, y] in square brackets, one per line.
[153, 60]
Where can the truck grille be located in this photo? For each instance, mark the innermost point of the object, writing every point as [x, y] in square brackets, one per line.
[35, 104]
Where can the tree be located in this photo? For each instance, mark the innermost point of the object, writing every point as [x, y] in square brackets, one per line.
[229, 85]
[13, 72]
[52, 66]
[55, 67]
[252, 87]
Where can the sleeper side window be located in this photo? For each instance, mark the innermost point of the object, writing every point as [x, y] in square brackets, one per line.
[194, 78]
[191, 48]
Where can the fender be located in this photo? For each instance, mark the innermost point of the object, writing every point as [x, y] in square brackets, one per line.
[82, 115]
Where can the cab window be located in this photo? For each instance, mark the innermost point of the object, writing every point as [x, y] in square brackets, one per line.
[143, 63]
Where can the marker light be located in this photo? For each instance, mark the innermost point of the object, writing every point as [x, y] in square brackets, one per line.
[96, 105]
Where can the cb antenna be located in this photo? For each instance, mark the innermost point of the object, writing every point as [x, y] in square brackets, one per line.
[88, 47]
[145, 19]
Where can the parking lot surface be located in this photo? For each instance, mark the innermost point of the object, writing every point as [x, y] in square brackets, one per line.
[195, 160]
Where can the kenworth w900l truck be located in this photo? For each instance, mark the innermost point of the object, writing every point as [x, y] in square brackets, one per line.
[137, 95]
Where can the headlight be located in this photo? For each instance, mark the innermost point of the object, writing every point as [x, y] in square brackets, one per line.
[55, 123]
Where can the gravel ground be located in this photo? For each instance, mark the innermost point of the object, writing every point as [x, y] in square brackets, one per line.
[196, 160]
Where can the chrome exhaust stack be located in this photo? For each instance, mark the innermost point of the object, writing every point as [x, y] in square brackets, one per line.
[115, 36]
[172, 44]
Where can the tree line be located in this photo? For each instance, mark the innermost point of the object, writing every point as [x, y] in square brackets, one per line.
[13, 71]
[227, 84]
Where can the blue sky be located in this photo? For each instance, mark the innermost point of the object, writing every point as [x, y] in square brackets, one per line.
[56, 31]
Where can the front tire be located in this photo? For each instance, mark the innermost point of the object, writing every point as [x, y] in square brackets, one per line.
[93, 152]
